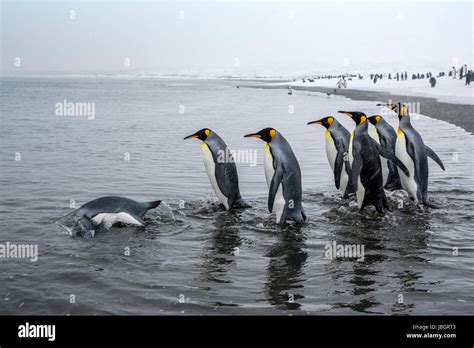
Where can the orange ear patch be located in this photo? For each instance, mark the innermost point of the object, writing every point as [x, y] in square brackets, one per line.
[330, 120]
[273, 133]
[207, 131]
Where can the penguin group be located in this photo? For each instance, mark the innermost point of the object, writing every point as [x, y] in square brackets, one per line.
[364, 164]
[368, 164]
[282, 173]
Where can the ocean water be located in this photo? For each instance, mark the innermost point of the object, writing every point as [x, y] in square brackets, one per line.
[192, 257]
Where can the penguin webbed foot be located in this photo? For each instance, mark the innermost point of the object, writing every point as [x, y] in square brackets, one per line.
[241, 204]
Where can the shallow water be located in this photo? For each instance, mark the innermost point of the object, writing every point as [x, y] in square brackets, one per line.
[217, 262]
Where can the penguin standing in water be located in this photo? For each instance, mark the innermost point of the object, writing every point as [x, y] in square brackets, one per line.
[221, 169]
[412, 151]
[337, 152]
[283, 175]
[386, 136]
[364, 153]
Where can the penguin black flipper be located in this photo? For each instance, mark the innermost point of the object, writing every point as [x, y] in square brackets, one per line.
[391, 156]
[228, 181]
[274, 185]
[356, 168]
[431, 154]
[338, 163]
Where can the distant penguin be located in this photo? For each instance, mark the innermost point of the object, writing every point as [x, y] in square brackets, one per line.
[283, 175]
[337, 152]
[221, 169]
[386, 136]
[290, 92]
[364, 153]
[107, 211]
[412, 151]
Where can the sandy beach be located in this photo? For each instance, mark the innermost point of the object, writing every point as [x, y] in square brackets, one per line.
[459, 114]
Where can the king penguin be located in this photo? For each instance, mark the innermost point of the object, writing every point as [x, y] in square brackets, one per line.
[283, 175]
[365, 153]
[337, 152]
[107, 211]
[412, 151]
[221, 169]
[386, 136]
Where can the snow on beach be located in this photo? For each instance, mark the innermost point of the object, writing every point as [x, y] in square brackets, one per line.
[447, 89]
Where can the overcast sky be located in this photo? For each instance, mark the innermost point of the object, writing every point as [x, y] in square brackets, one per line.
[209, 36]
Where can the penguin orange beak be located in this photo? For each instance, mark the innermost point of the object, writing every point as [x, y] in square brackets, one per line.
[191, 136]
[315, 122]
[254, 135]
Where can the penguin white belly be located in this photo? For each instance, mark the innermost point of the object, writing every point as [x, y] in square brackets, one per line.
[279, 202]
[331, 153]
[344, 180]
[211, 173]
[108, 219]
[383, 161]
[408, 183]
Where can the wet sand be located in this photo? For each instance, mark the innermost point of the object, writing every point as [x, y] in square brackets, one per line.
[460, 115]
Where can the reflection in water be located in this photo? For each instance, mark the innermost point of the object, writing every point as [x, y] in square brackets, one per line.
[190, 249]
[220, 249]
[382, 238]
[412, 243]
[285, 269]
[359, 277]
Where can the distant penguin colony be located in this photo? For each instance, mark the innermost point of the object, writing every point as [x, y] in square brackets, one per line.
[364, 164]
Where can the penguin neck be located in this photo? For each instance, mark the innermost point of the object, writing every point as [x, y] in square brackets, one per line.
[405, 122]
[362, 127]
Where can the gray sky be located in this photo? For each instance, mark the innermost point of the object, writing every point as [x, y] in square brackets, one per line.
[266, 37]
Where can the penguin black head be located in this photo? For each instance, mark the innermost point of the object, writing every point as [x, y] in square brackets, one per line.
[202, 134]
[375, 119]
[358, 117]
[266, 134]
[401, 109]
[325, 122]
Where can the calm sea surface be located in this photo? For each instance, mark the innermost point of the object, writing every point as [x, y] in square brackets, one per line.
[214, 261]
